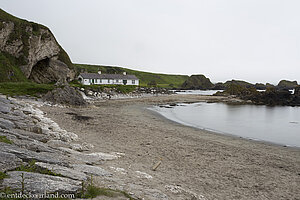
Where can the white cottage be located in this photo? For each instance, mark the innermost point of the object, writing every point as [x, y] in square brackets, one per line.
[107, 79]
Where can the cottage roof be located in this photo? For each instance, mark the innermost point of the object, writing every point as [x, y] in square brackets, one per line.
[107, 76]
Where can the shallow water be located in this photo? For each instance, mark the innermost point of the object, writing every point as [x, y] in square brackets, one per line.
[280, 125]
[200, 92]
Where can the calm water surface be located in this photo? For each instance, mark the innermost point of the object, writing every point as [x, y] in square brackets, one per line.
[200, 92]
[278, 124]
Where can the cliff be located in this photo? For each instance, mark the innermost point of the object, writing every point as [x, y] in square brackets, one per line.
[30, 51]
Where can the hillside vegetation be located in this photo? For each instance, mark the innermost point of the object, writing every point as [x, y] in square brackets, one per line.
[162, 80]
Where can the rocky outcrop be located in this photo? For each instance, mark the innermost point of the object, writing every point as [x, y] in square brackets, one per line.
[34, 50]
[36, 183]
[285, 84]
[239, 83]
[197, 82]
[66, 96]
[60, 165]
[271, 97]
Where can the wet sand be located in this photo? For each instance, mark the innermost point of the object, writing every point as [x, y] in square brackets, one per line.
[193, 162]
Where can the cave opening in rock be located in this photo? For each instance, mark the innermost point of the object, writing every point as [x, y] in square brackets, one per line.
[39, 72]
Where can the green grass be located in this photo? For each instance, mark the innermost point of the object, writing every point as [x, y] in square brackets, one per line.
[5, 140]
[9, 70]
[162, 80]
[31, 167]
[25, 88]
[3, 175]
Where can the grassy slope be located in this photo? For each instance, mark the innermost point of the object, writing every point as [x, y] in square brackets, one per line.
[163, 80]
[24, 88]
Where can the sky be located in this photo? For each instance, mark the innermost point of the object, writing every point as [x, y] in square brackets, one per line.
[252, 40]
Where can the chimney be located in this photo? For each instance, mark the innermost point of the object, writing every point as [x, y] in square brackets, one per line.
[124, 73]
[99, 72]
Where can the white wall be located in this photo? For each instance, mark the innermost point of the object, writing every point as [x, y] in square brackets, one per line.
[105, 82]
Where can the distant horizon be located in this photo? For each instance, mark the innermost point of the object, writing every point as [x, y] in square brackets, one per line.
[253, 40]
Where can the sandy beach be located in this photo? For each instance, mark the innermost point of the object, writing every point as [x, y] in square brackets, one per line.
[195, 164]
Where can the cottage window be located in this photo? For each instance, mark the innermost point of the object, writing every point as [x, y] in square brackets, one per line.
[133, 81]
[100, 80]
[117, 81]
[108, 81]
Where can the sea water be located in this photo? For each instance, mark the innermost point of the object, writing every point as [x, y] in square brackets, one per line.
[199, 92]
[279, 124]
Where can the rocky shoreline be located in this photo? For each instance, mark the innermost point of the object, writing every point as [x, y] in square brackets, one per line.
[30, 136]
[117, 143]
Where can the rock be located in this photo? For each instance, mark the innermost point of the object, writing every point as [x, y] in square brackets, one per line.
[11, 117]
[285, 84]
[197, 82]
[35, 129]
[58, 143]
[4, 108]
[76, 147]
[66, 96]
[28, 155]
[24, 124]
[6, 124]
[50, 70]
[64, 171]
[91, 170]
[81, 157]
[34, 145]
[297, 91]
[39, 183]
[175, 189]
[8, 161]
[39, 137]
[35, 50]
[238, 83]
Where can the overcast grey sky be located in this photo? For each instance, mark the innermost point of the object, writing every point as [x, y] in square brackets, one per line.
[253, 40]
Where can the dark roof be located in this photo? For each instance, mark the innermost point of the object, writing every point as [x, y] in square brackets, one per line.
[107, 76]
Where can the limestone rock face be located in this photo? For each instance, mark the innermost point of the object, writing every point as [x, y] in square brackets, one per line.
[39, 183]
[40, 49]
[34, 50]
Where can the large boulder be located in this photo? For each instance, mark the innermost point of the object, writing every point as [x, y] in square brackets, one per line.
[66, 96]
[30, 51]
